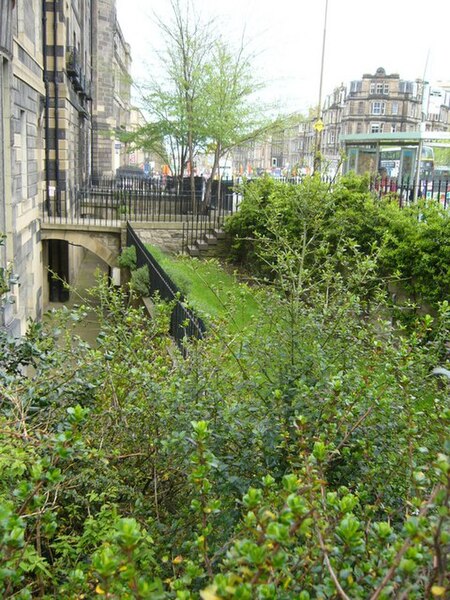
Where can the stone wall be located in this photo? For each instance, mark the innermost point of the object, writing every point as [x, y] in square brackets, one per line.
[167, 236]
[22, 154]
[111, 86]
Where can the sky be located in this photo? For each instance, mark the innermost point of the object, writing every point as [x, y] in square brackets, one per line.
[408, 37]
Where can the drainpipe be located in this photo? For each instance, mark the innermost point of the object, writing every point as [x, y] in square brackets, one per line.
[55, 80]
[46, 111]
[91, 79]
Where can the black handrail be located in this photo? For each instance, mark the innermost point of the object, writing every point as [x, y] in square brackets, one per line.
[183, 322]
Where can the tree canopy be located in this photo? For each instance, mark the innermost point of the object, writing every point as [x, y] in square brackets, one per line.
[205, 99]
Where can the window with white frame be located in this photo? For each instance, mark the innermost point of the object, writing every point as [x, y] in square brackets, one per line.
[23, 154]
[378, 108]
[380, 87]
[372, 88]
[394, 108]
[375, 128]
[385, 88]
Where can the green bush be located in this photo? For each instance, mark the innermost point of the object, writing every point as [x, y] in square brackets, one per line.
[411, 243]
[140, 281]
[305, 456]
[127, 258]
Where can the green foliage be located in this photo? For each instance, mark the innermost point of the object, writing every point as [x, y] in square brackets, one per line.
[305, 456]
[127, 258]
[411, 243]
[140, 277]
[140, 281]
[4, 287]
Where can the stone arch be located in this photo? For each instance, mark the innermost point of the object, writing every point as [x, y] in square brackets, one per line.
[104, 245]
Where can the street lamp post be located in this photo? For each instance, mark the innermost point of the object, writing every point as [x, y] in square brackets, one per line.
[318, 126]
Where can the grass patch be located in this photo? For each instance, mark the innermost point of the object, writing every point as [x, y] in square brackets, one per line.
[209, 289]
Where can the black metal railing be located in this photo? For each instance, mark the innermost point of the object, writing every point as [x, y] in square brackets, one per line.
[110, 201]
[223, 202]
[128, 198]
[407, 190]
[114, 201]
[183, 322]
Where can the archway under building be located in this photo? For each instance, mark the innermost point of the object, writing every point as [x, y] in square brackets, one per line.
[72, 257]
[66, 263]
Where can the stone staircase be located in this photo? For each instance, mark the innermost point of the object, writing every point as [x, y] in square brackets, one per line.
[211, 244]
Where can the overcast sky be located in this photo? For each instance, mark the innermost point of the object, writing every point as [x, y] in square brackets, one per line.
[403, 36]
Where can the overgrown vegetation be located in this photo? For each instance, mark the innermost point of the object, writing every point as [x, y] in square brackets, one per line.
[306, 456]
[139, 277]
[412, 243]
[210, 290]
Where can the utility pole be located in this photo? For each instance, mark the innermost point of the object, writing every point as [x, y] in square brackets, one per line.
[318, 125]
[423, 118]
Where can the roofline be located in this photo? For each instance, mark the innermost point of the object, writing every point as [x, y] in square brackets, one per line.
[396, 137]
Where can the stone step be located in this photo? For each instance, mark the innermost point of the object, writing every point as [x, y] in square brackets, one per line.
[201, 244]
[220, 234]
[193, 251]
[210, 239]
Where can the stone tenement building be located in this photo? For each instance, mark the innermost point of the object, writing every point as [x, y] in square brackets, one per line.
[60, 66]
[381, 103]
[111, 61]
[22, 131]
[376, 103]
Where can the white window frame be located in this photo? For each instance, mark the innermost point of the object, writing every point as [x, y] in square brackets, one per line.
[23, 154]
[375, 128]
[378, 108]
[394, 108]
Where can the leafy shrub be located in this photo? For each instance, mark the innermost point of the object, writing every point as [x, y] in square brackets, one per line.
[127, 258]
[140, 281]
[305, 456]
[411, 242]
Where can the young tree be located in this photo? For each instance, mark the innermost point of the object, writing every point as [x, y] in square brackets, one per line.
[187, 45]
[206, 101]
[232, 115]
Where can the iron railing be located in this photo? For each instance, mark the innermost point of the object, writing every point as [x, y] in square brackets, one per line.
[211, 220]
[407, 190]
[112, 202]
[131, 198]
[183, 322]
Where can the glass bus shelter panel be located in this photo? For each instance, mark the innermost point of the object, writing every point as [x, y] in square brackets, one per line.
[352, 160]
[361, 160]
[407, 164]
[367, 161]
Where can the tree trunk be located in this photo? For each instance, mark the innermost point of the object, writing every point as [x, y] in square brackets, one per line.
[215, 168]
[192, 178]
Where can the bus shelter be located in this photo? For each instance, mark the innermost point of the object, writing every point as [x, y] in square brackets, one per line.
[407, 156]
